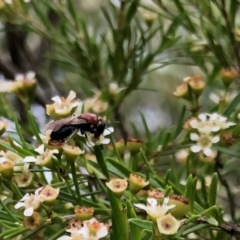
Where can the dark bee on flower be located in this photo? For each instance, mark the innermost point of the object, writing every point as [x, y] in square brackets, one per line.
[64, 129]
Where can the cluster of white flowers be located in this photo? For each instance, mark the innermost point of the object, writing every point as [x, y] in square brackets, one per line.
[90, 229]
[167, 224]
[208, 127]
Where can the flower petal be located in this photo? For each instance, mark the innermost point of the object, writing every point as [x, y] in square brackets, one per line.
[57, 99]
[208, 151]
[19, 205]
[6, 86]
[40, 149]
[30, 75]
[140, 205]
[65, 237]
[28, 212]
[196, 148]
[29, 159]
[19, 77]
[152, 202]
[215, 139]
[194, 136]
[26, 196]
[202, 117]
[108, 131]
[193, 123]
[71, 96]
[102, 232]
[105, 141]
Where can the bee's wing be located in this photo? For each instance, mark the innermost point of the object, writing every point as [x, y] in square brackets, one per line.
[56, 125]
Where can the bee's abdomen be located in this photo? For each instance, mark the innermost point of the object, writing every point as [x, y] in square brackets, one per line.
[63, 132]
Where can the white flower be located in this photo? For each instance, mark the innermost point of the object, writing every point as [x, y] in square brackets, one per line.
[90, 230]
[204, 143]
[24, 179]
[44, 157]
[93, 230]
[91, 140]
[220, 121]
[114, 88]
[62, 107]
[30, 202]
[22, 81]
[203, 126]
[168, 224]
[216, 98]
[153, 209]
[207, 123]
[95, 104]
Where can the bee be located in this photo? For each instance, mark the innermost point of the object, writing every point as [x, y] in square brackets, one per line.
[64, 129]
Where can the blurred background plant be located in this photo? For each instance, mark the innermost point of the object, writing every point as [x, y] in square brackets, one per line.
[166, 76]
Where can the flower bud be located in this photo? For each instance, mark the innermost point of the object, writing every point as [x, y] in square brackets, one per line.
[182, 155]
[71, 152]
[74, 224]
[155, 193]
[84, 213]
[228, 76]
[6, 168]
[148, 16]
[187, 124]
[182, 91]
[95, 104]
[181, 208]
[227, 138]
[136, 183]
[49, 194]
[120, 146]
[133, 145]
[32, 222]
[117, 186]
[196, 83]
[168, 225]
[24, 86]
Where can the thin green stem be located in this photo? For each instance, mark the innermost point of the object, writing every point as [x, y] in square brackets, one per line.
[74, 175]
[7, 210]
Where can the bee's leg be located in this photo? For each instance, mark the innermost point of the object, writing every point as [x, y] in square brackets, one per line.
[71, 135]
[89, 144]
